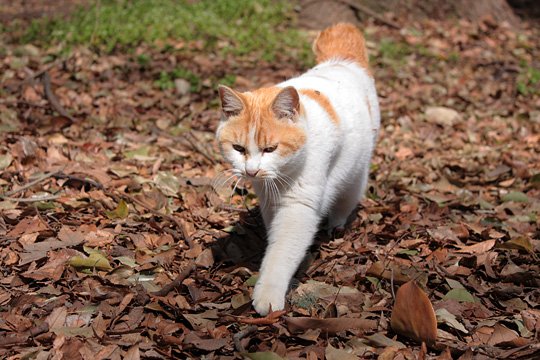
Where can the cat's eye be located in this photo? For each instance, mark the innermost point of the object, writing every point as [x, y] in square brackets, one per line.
[239, 148]
[270, 149]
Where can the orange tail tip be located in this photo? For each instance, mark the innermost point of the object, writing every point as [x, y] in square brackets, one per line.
[341, 41]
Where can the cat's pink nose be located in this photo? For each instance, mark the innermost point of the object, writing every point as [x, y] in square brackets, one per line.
[252, 173]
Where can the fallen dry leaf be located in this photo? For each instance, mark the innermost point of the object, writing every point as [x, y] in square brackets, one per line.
[205, 344]
[330, 325]
[479, 248]
[413, 315]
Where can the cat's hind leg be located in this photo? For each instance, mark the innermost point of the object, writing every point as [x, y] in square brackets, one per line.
[346, 202]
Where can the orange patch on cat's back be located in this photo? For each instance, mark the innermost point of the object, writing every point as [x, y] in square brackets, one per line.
[323, 102]
[341, 41]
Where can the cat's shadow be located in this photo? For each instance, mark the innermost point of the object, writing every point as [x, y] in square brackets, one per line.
[245, 243]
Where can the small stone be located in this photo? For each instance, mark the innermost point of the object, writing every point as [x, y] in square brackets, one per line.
[442, 116]
[183, 87]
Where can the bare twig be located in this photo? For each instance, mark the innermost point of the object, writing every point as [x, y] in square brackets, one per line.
[269, 319]
[37, 74]
[95, 184]
[53, 100]
[176, 282]
[237, 338]
[31, 183]
[366, 10]
[189, 139]
[233, 209]
[194, 141]
[42, 219]
[171, 218]
[216, 284]
[31, 199]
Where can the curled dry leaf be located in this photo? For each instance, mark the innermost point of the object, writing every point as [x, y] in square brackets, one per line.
[479, 248]
[413, 315]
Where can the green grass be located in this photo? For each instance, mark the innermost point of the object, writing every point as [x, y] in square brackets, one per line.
[166, 79]
[394, 51]
[241, 27]
[528, 81]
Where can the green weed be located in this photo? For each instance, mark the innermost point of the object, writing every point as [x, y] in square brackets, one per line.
[227, 80]
[166, 79]
[392, 50]
[240, 27]
[144, 60]
[528, 81]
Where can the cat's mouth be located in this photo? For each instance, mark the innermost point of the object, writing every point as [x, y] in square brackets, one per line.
[256, 175]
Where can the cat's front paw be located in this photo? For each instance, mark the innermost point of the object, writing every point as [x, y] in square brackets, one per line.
[266, 296]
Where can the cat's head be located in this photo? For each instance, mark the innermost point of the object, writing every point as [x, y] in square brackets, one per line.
[259, 132]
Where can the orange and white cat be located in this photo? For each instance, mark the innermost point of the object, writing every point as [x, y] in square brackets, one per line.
[306, 146]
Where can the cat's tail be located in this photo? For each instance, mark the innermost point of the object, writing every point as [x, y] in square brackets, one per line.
[341, 41]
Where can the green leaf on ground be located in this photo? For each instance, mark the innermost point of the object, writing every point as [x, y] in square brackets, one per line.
[516, 196]
[121, 211]
[460, 295]
[94, 260]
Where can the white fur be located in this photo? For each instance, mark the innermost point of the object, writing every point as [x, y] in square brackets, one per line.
[326, 178]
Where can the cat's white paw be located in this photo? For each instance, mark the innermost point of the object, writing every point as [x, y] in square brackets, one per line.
[266, 296]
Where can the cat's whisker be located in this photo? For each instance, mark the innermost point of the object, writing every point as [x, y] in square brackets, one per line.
[283, 180]
[221, 181]
[234, 189]
[275, 192]
[219, 177]
[264, 199]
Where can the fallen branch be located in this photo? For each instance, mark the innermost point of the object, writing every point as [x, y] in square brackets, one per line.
[37, 74]
[366, 10]
[51, 97]
[195, 144]
[30, 199]
[176, 282]
[216, 284]
[192, 141]
[233, 209]
[31, 183]
[171, 218]
[90, 182]
[237, 338]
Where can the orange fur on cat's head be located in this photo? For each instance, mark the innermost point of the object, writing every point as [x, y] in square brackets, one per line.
[341, 41]
[267, 116]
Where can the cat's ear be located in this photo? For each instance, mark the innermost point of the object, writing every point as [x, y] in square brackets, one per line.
[231, 103]
[287, 103]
